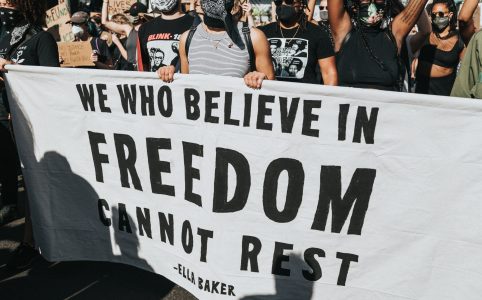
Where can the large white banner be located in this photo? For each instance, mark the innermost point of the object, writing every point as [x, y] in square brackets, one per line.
[290, 192]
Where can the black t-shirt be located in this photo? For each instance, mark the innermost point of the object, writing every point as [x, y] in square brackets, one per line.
[118, 61]
[102, 49]
[295, 52]
[40, 50]
[158, 43]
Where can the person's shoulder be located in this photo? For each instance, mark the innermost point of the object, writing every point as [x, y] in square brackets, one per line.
[187, 18]
[268, 27]
[41, 36]
[151, 23]
[256, 34]
[98, 41]
[315, 28]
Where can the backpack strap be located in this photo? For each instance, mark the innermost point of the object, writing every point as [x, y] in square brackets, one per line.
[192, 30]
[249, 43]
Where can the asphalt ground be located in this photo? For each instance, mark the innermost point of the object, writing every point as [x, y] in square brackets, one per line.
[78, 280]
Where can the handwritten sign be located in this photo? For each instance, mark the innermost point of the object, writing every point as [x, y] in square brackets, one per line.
[75, 54]
[119, 6]
[57, 17]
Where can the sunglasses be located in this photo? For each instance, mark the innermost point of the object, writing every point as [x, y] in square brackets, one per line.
[323, 7]
[287, 2]
[368, 2]
[439, 14]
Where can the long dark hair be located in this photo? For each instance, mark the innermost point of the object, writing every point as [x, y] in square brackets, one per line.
[34, 11]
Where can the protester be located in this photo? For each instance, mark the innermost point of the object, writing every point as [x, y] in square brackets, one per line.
[217, 46]
[22, 42]
[128, 28]
[468, 83]
[323, 13]
[300, 45]
[158, 39]
[83, 30]
[369, 42]
[436, 66]
[119, 54]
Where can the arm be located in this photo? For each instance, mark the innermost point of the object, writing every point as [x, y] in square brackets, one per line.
[166, 73]
[404, 21]
[466, 22]
[424, 30]
[310, 9]
[325, 54]
[328, 70]
[247, 8]
[100, 65]
[123, 29]
[264, 64]
[340, 21]
[119, 46]
[182, 53]
[273, 12]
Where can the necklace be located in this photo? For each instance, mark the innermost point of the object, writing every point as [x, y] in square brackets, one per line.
[216, 41]
[296, 32]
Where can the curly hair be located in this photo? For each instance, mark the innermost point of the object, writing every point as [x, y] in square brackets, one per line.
[34, 11]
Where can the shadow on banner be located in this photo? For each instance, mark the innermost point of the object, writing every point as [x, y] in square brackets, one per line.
[78, 279]
[290, 287]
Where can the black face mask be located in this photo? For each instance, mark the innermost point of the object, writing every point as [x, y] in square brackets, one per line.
[213, 23]
[287, 14]
[10, 17]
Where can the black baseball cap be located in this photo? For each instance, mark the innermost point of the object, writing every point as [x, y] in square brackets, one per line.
[136, 9]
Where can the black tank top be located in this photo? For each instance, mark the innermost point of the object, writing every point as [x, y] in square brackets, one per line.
[447, 59]
[432, 56]
[356, 67]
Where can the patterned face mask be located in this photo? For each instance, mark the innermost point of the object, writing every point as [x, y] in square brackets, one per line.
[217, 14]
[215, 9]
[163, 5]
[371, 14]
[10, 17]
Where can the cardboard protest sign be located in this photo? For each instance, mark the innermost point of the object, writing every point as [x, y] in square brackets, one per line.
[75, 54]
[119, 6]
[56, 18]
[292, 191]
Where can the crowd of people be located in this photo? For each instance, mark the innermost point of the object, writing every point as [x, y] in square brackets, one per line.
[377, 44]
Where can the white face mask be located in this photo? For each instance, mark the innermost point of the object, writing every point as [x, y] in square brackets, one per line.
[163, 5]
[77, 31]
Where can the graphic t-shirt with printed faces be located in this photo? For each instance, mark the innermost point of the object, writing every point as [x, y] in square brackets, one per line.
[158, 43]
[295, 52]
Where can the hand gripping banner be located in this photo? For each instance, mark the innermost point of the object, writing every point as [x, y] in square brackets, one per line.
[292, 191]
